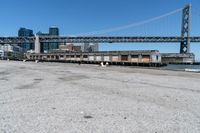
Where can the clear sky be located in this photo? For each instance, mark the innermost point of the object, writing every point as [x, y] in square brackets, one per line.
[75, 17]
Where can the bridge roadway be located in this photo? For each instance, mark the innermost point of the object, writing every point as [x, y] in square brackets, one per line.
[98, 39]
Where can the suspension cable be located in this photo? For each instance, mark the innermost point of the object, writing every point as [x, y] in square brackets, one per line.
[132, 25]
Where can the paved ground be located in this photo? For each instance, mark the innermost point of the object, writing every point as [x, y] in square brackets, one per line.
[62, 98]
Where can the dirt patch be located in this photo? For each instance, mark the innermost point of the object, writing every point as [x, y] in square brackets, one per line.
[3, 73]
[27, 86]
[31, 85]
[22, 67]
[38, 79]
[72, 78]
[3, 79]
[87, 117]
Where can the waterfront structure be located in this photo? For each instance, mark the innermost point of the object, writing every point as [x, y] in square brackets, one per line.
[23, 32]
[184, 39]
[176, 58]
[139, 57]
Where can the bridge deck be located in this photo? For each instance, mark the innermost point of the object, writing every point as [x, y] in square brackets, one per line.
[99, 39]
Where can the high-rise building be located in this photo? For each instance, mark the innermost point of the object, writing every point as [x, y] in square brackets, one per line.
[23, 32]
[46, 47]
[54, 31]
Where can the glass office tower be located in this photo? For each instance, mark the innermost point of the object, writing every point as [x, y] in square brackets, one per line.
[46, 47]
[53, 31]
[23, 32]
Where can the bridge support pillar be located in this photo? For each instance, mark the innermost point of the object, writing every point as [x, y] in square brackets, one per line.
[185, 31]
[37, 45]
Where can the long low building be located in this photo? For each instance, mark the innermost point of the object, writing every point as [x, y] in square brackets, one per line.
[176, 58]
[144, 57]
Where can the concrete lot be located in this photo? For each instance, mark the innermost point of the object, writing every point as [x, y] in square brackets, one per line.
[68, 98]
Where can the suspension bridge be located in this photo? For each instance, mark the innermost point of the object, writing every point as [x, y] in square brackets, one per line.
[184, 39]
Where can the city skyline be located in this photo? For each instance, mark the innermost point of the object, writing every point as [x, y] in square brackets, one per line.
[76, 17]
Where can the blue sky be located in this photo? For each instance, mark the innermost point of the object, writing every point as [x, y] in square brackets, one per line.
[74, 17]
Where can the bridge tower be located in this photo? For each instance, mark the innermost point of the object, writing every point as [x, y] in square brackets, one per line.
[185, 30]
